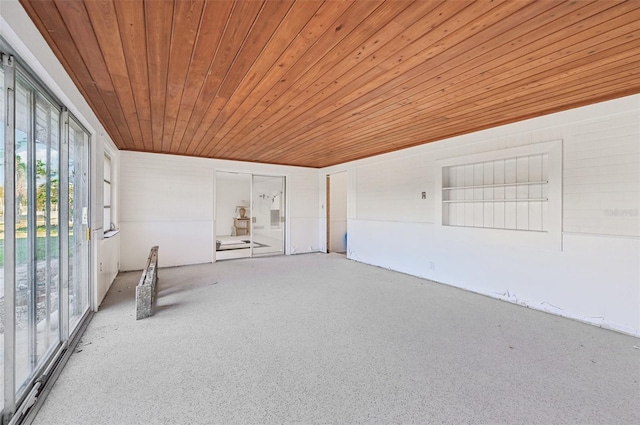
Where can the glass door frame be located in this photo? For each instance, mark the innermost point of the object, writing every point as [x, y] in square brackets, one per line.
[216, 186]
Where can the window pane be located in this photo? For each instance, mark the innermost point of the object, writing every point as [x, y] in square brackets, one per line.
[107, 219]
[24, 235]
[47, 252]
[107, 198]
[107, 168]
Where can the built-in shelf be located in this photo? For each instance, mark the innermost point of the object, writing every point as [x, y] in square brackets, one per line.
[465, 201]
[485, 186]
[507, 193]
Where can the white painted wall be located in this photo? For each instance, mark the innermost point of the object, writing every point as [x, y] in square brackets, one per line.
[338, 211]
[592, 273]
[20, 32]
[168, 201]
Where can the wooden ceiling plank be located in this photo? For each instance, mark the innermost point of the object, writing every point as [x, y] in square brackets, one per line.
[257, 39]
[461, 126]
[64, 48]
[624, 89]
[187, 17]
[304, 88]
[84, 38]
[373, 33]
[327, 13]
[459, 17]
[571, 74]
[568, 50]
[450, 59]
[511, 64]
[299, 15]
[131, 22]
[424, 133]
[471, 111]
[508, 109]
[465, 15]
[339, 154]
[315, 98]
[215, 19]
[241, 20]
[103, 18]
[379, 97]
[333, 34]
[159, 24]
[364, 125]
[616, 52]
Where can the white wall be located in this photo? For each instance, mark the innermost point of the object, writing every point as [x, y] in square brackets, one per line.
[22, 35]
[592, 273]
[168, 201]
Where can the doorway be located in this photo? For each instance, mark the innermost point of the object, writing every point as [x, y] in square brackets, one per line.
[337, 212]
[249, 215]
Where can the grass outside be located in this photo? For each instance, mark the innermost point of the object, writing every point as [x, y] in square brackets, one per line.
[22, 247]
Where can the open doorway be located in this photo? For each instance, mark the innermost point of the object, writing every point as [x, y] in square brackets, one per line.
[233, 215]
[337, 212]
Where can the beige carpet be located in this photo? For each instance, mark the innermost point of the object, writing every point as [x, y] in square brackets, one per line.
[318, 339]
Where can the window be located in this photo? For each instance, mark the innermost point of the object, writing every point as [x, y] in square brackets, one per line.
[107, 223]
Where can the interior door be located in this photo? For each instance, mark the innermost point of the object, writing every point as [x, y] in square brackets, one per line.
[268, 215]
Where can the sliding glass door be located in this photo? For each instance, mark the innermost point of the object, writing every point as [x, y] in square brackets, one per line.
[268, 215]
[36, 263]
[44, 240]
[37, 277]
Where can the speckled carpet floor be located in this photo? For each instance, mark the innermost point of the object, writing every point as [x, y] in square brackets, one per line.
[318, 339]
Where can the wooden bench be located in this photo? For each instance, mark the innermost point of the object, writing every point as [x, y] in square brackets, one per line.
[146, 289]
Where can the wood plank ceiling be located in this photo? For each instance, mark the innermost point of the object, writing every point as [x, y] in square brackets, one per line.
[316, 83]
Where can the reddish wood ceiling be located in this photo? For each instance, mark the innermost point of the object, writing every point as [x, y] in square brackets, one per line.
[316, 83]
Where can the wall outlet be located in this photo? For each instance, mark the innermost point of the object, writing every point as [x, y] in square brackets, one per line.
[101, 266]
[424, 195]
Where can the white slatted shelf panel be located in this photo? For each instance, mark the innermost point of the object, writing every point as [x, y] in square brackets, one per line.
[507, 193]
